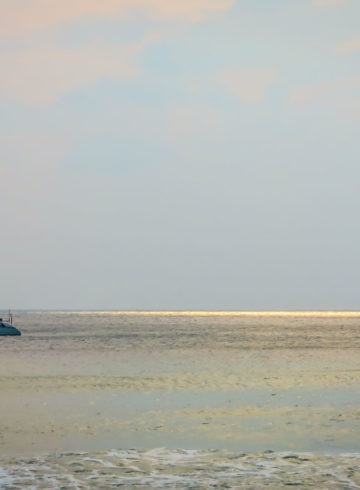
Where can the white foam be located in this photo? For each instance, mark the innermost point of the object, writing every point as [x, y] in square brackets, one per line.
[163, 468]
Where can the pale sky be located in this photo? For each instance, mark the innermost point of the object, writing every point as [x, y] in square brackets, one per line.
[201, 154]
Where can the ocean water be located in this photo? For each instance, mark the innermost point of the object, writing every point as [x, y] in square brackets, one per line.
[181, 400]
[161, 468]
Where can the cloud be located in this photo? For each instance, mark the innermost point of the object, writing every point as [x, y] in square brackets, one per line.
[350, 108]
[18, 17]
[328, 3]
[29, 167]
[305, 96]
[309, 95]
[42, 75]
[348, 46]
[249, 85]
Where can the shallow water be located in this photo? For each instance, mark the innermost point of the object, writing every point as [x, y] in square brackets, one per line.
[229, 383]
[161, 468]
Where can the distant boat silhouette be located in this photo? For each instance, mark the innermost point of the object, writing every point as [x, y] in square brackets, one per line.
[6, 328]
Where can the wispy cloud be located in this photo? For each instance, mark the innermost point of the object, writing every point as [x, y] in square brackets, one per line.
[348, 46]
[327, 90]
[349, 108]
[29, 163]
[249, 85]
[32, 15]
[42, 72]
[307, 95]
[42, 75]
[328, 3]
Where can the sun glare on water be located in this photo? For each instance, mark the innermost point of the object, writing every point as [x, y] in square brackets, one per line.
[223, 313]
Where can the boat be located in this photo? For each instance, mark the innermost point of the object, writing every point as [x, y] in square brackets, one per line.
[7, 328]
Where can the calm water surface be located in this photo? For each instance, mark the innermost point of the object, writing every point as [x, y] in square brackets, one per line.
[233, 399]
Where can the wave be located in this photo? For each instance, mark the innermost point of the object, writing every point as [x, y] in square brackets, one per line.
[163, 468]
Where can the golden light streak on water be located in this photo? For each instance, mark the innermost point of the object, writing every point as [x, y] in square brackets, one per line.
[323, 314]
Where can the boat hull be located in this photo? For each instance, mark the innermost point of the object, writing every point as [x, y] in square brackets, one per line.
[6, 329]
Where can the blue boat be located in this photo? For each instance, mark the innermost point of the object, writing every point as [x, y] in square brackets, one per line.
[6, 328]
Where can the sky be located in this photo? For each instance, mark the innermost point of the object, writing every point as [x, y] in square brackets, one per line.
[162, 155]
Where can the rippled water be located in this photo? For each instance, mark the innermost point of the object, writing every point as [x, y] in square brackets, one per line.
[186, 330]
[160, 468]
[253, 400]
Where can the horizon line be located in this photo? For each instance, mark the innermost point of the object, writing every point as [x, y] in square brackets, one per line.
[194, 312]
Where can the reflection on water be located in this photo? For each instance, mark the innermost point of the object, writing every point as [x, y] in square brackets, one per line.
[188, 330]
[239, 381]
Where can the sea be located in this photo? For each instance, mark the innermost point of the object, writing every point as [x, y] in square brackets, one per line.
[107, 399]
